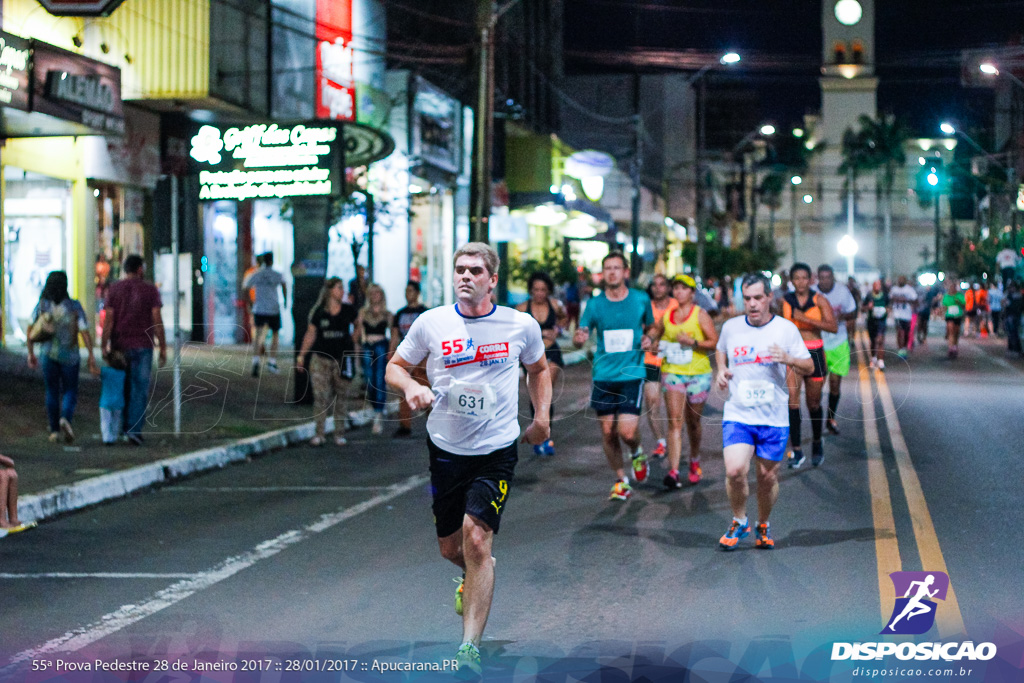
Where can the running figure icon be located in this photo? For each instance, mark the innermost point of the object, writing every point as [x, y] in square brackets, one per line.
[915, 606]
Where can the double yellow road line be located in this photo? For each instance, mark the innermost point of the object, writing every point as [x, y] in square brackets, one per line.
[949, 620]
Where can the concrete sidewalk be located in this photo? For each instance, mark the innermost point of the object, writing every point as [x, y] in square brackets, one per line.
[227, 416]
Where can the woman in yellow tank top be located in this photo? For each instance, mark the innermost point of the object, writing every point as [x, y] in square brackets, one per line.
[687, 335]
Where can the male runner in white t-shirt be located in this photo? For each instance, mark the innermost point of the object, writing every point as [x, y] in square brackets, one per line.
[473, 350]
[837, 344]
[752, 356]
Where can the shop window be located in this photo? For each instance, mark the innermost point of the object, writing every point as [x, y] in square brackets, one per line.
[36, 236]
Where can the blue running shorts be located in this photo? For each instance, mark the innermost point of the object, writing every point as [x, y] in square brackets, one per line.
[769, 442]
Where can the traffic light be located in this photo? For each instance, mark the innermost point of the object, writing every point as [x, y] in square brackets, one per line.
[932, 178]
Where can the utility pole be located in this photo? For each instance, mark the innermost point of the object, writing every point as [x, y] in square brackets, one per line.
[795, 232]
[483, 146]
[699, 178]
[752, 215]
[938, 232]
[638, 161]
[850, 265]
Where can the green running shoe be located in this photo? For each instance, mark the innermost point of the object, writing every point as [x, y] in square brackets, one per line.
[468, 657]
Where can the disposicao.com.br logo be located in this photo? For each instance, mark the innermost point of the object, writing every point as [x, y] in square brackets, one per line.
[914, 614]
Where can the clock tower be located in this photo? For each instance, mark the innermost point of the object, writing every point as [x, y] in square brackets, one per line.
[848, 81]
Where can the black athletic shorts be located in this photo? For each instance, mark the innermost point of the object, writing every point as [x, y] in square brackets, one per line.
[554, 356]
[611, 398]
[271, 321]
[903, 325]
[476, 485]
[653, 373]
[820, 363]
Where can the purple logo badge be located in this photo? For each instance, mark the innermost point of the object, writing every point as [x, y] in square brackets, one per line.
[914, 612]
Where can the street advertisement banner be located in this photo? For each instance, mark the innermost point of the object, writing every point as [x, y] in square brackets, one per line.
[335, 80]
[78, 89]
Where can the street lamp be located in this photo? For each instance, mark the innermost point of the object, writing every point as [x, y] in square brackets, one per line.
[848, 248]
[728, 59]
[990, 69]
[794, 233]
[765, 130]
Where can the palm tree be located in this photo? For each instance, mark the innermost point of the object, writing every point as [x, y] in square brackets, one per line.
[883, 141]
[856, 161]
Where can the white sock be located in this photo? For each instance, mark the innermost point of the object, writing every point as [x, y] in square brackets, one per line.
[743, 522]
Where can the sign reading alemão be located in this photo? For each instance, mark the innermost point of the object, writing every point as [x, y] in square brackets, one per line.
[263, 161]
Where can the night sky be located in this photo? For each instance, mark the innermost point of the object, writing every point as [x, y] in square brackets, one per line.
[918, 47]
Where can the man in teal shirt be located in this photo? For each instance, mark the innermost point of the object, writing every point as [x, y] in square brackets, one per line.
[619, 318]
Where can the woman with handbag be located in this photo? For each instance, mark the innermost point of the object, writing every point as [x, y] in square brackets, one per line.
[58, 321]
[329, 338]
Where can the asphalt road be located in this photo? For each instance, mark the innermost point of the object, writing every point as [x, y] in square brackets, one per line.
[327, 558]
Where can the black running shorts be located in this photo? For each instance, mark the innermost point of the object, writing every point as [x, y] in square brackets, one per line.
[271, 321]
[617, 398]
[820, 364]
[476, 485]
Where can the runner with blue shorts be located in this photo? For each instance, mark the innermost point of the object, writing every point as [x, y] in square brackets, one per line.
[752, 355]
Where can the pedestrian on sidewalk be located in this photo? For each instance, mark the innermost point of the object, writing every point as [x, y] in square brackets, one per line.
[131, 325]
[60, 355]
[9, 522]
[1012, 309]
[329, 337]
[552, 318]
[266, 311]
[995, 306]
[403, 321]
[1006, 260]
[373, 325]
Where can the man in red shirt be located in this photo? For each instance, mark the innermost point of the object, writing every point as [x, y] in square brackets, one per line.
[131, 324]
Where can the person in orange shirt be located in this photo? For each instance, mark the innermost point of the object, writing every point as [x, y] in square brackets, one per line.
[981, 306]
[812, 314]
[661, 303]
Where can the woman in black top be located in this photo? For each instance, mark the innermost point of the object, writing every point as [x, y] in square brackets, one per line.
[329, 337]
[548, 312]
[373, 325]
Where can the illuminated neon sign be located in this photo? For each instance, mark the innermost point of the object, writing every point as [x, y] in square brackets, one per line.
[266, 161]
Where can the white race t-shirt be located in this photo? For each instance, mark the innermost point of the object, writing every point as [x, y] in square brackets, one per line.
[265, 281]
[842, 303]
[473, 367]
[1007, 258]
[903, 311]
[757, 390]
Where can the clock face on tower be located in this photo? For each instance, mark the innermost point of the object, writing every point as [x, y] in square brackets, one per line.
[848, 12]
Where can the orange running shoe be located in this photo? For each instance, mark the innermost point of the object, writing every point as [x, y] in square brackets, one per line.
[733, 535]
